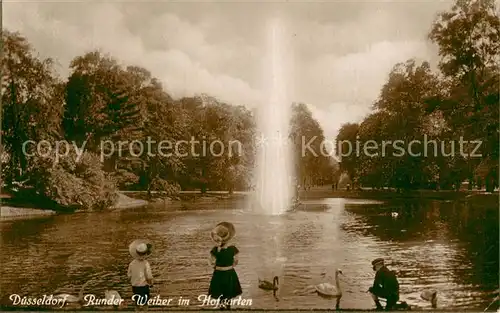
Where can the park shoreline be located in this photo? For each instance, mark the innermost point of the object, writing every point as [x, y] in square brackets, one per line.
[139, 199]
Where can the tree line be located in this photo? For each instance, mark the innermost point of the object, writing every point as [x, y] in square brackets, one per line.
[104, 101]
[459, 101]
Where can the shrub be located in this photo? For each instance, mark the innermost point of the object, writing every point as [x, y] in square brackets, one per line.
[125, 180]
[78, 184]
[169, 188]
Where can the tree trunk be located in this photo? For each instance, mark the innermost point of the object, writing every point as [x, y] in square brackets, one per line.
[479, 183]
[489, 184]
[203, 181]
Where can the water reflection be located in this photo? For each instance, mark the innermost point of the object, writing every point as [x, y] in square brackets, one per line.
[449, 246]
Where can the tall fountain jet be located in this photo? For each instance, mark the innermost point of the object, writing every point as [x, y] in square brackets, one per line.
[274, 176]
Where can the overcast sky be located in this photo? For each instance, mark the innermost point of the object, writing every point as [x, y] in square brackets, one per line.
[342, 51]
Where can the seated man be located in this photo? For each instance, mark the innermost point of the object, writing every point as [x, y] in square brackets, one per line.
[385, 285]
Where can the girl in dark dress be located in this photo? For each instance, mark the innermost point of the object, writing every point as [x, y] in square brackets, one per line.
[225, 282]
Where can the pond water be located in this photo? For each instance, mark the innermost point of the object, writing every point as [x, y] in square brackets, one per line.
[449, 246]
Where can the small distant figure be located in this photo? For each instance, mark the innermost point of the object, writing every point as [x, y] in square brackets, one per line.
[139, 271]
[348, 187]
[225, 283]
[295, 202]
[385, 286]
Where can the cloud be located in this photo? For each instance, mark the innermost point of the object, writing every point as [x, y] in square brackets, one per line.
[346, 86]
[335, 115]
[343, 52]
[181, 64]
[346, 64]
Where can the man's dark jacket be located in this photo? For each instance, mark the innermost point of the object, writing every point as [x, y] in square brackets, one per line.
[385, 284]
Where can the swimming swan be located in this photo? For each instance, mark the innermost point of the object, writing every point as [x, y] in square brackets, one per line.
[266, 285]
[431, 296]
[114, 296]
[70, 298]
[330, 290]
[326, 290]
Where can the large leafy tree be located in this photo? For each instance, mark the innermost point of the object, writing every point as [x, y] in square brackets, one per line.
[380, 143]
[100, 101]
[313, 164]
[164, 125]
[373, 168]
[401, 117]
[212, 120]
[345, 148]
[468, 37]
[31, 103]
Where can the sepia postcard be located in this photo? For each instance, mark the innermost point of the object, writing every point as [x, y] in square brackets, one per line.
[250, 155]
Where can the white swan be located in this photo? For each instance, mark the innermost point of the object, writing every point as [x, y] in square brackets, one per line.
[331, 291]
[70, 298]
[114, 296]
[110, 294]
[395, 214]
[326, 290]
[431, 296]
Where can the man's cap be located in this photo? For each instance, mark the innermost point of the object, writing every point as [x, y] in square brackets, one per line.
[378, 261]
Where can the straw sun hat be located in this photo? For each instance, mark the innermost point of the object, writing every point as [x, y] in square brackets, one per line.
[223, 232]
[140, 248]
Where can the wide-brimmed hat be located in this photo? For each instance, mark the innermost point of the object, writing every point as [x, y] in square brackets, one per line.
[140, 248]
[378, 261]
[223, 232]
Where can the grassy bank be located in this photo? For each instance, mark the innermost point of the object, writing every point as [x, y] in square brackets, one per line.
[18, 207]
[16, 212]
[25, 201]
[125, 202]
[185, 195]
[196, 198]
[483, 200]
[322, 192]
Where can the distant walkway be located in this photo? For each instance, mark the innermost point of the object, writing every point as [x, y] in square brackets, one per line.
[194, 192]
